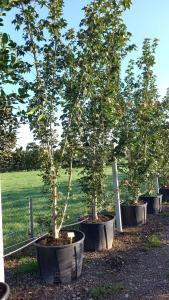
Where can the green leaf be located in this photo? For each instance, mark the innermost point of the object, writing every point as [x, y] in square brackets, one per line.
[41, 117]
[126, 3]
[4, 38]
[32, 111]
[2, 93]
[21, 91]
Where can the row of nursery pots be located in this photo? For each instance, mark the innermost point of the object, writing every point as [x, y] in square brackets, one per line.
[62, 264]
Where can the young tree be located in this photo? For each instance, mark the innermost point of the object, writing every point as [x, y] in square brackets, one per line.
[142, 119]
[49, 45]
[103, 38]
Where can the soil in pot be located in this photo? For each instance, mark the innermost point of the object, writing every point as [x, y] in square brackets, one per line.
[62, 240]
[4, 291]
[154, 203]
[99, 235]
[134, 214]
[60, 262]
[164, 190]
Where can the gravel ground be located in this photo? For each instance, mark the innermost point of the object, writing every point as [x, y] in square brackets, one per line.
[133, 269]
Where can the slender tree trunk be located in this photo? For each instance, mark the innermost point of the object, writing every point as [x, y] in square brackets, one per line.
[55, 230]
[54, 195]
[94, 209]
[94, 202]
[156, 183]
[68, 193]
[117, 196]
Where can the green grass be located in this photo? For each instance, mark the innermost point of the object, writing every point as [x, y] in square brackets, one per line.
[165, 213]
[17, 187]
[152, 241]
[26, 265]
[103, 292]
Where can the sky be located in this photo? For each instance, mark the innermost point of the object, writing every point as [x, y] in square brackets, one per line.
[145, 19]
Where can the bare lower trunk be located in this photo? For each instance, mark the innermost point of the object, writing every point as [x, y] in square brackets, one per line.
[68, 195]
[156, 184]
[117, 196]
[55, 230]
[54, 196]
[94, 209]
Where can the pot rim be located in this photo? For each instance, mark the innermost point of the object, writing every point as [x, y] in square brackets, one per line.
[155, 196]
[62, 246]
[164, 187]
[112, 218]
[134, 205]
[5, 296]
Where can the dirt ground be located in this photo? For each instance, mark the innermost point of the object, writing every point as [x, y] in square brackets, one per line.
[137, 267]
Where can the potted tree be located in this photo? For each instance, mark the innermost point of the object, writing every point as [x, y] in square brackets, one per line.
[141, 107]
[154, 119]
[60, 253]
[153, 200]
[128, 144]
[163, 172]
[97, 37]
[133, 210]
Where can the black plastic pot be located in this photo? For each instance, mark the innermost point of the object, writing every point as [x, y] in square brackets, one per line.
[98, 236]
[4, 291]
[154, 203]
[61, 264]
[165, 193]
[134, 215]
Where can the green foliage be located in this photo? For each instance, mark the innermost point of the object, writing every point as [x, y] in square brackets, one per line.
[54, 56]
[11, 70]
[103, 292]
[141, 122]
[103, 39]
[33, 157]
[77, 74]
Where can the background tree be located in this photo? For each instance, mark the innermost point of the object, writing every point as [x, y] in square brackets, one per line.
[32, 157]
[11, 69]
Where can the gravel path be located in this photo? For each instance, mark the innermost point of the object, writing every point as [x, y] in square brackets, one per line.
[133, 269]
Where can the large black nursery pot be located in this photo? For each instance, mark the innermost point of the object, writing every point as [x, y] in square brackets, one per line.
[98, 236]
[4, 291]
[134, 214]
[154, 203]
[61, 264]
[164, 190]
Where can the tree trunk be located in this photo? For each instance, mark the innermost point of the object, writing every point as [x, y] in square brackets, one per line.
[156, 183]
[55, 230]
[117, 196]
[94, 209]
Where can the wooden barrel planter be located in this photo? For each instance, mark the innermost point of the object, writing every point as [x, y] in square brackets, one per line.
[61, 264]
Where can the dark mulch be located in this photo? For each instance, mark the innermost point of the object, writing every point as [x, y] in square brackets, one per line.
[141, 271]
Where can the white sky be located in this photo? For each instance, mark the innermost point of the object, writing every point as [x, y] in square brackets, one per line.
[24, 136]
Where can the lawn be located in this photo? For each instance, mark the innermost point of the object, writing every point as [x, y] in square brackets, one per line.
[17, 187]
